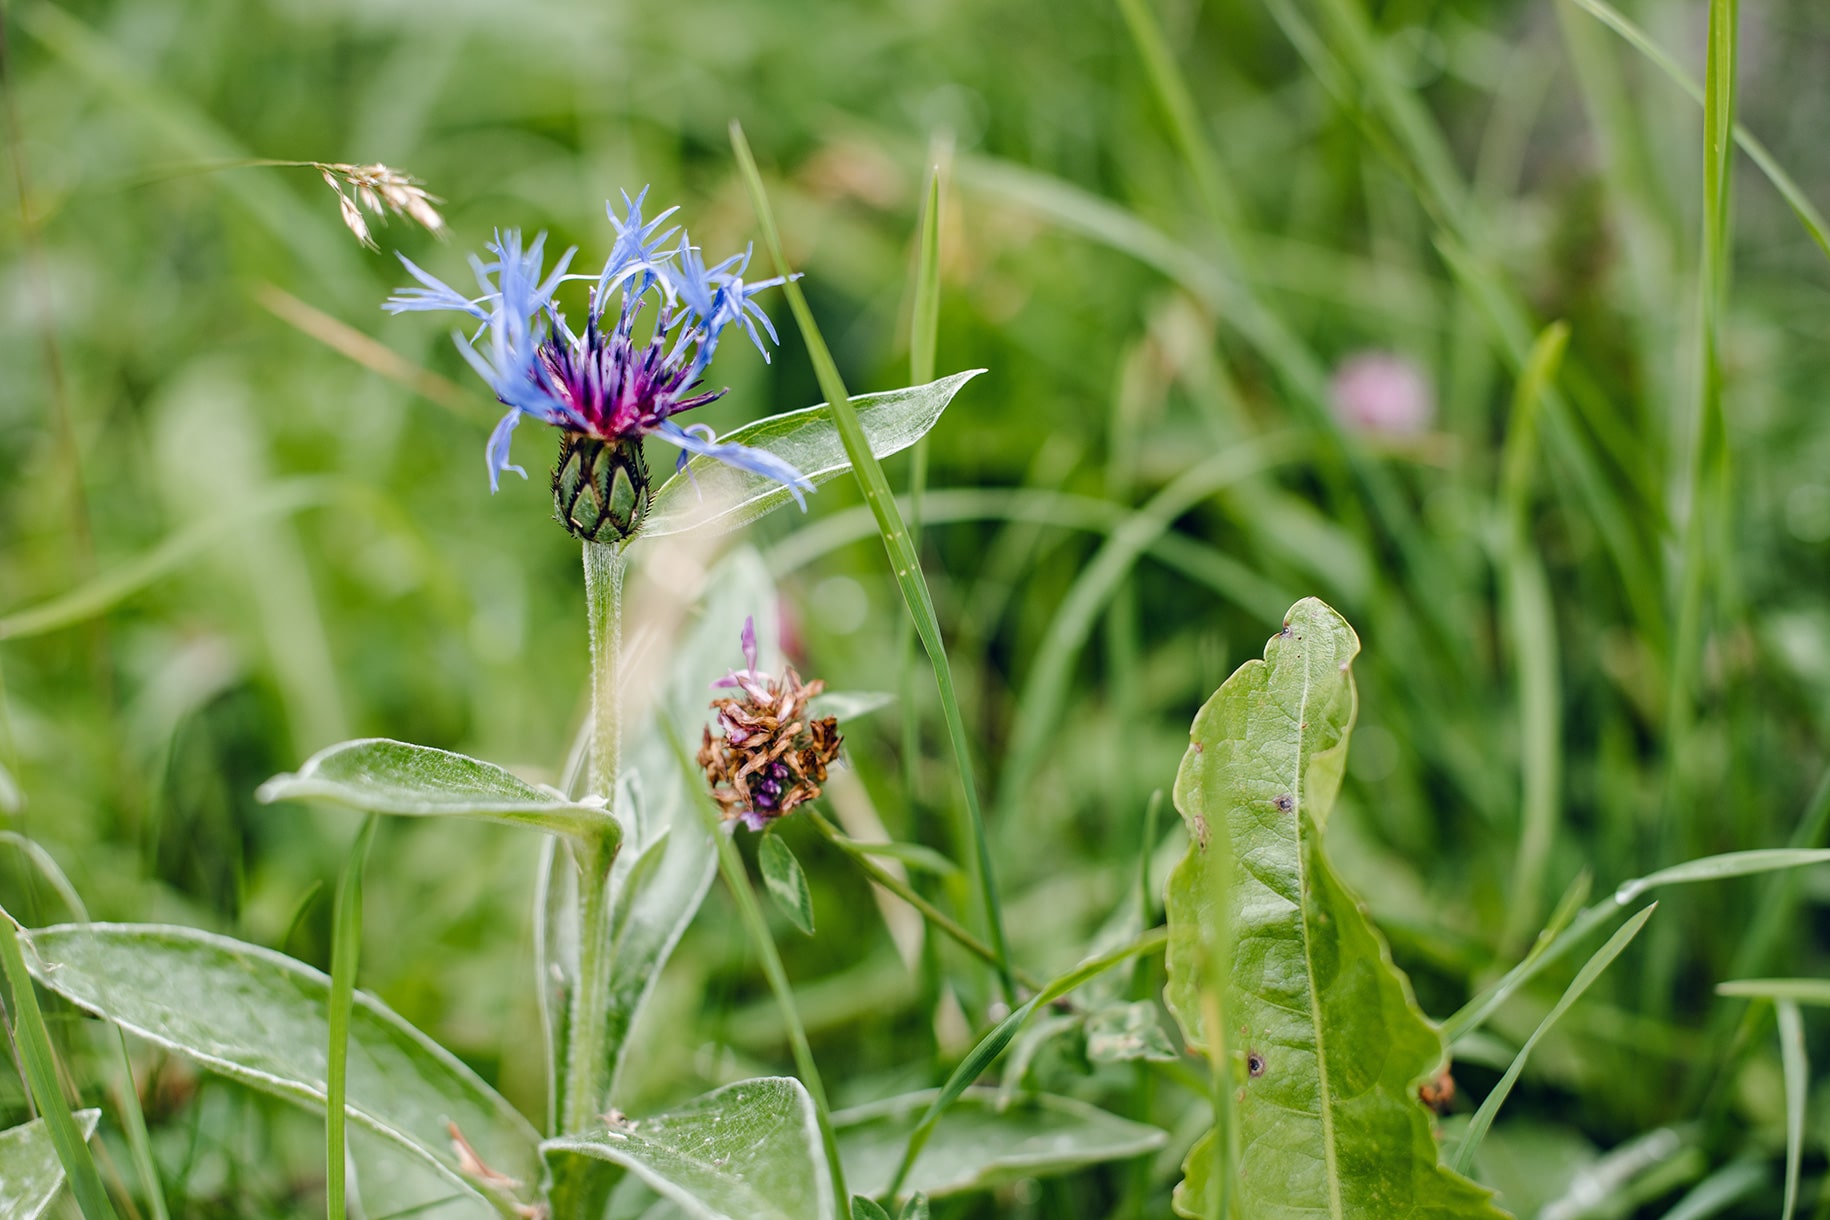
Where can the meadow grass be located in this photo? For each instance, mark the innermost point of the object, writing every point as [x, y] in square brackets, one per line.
[1591, 589]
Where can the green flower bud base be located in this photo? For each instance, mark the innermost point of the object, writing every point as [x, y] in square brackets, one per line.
[601, 489]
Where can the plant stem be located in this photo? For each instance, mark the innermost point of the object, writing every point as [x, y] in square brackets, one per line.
[903, 890]
[587, 1068]
[972, 842]
[346, 945]
[604, 569]
[737, 880]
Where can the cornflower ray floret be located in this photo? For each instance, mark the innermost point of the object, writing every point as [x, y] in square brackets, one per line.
[768, 756]
[651, 326]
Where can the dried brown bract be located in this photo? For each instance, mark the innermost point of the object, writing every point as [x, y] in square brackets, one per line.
[769, 756]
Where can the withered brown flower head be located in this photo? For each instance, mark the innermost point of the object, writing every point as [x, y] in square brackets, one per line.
[769, 756]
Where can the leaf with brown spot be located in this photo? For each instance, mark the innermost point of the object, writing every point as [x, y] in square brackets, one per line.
[1328, 1115]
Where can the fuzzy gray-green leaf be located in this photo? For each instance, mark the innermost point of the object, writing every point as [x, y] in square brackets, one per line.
[30, 1173]
[262, 1018]
[1122, 1032]
[786, 883]
[377, 775]
[980, 1143]
[1327, 1040]
[709, 492]
[748, 1151]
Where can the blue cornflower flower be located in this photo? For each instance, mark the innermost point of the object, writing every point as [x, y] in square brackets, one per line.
[606, 385]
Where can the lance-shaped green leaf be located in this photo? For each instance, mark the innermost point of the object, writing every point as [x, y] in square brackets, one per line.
[264, 1019]
[1328, 1043]
[377, 775]
[786, 882]
[981, 1142]
[30, 1173]
[748, 1151]
[710, 493]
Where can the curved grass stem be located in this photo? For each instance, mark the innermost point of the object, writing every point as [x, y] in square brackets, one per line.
[972, 840]
[737, 880]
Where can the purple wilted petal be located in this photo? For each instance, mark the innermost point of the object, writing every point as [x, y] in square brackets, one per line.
[749, 642]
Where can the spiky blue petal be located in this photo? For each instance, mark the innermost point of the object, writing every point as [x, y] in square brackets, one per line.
[743, 457]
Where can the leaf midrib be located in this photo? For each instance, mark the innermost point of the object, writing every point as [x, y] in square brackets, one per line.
[1335, 1206]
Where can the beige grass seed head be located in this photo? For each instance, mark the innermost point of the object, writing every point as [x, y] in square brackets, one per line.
[381, 190]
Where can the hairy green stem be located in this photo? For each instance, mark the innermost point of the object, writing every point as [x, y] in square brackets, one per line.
[587, 1069]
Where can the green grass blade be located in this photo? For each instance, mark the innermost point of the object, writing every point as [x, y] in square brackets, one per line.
[111, 587]
[1603, 958]
[1045, 690]
[40, 1063]
[903, 559]
[1173, 95]
[1798, 1093]
[345, 949]
[924, 325]
[988, 1048]
[924, 339]
[1201, 562]
[1639, 40]
[1721, 1190]
[1815, 992]
[1705, 490]
[1708, 868]
[1531, 621]
[133, 1118]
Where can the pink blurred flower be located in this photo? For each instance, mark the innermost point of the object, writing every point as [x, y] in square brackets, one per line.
[1383, 393]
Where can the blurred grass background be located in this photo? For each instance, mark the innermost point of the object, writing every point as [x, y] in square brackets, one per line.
[1167, 225]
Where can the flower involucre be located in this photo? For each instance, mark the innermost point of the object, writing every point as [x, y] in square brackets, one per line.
[769, 756]
[610, 384]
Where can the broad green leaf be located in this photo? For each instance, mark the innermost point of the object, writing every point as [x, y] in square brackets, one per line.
[376, 775]
[261, 1018]
[916, 1208]
[786, 882]
[863, 1209]
[979, 1144]
[1327, 1041]
[30, 1173]
[709, 492]
[1127, 1031]
[748, 1151]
